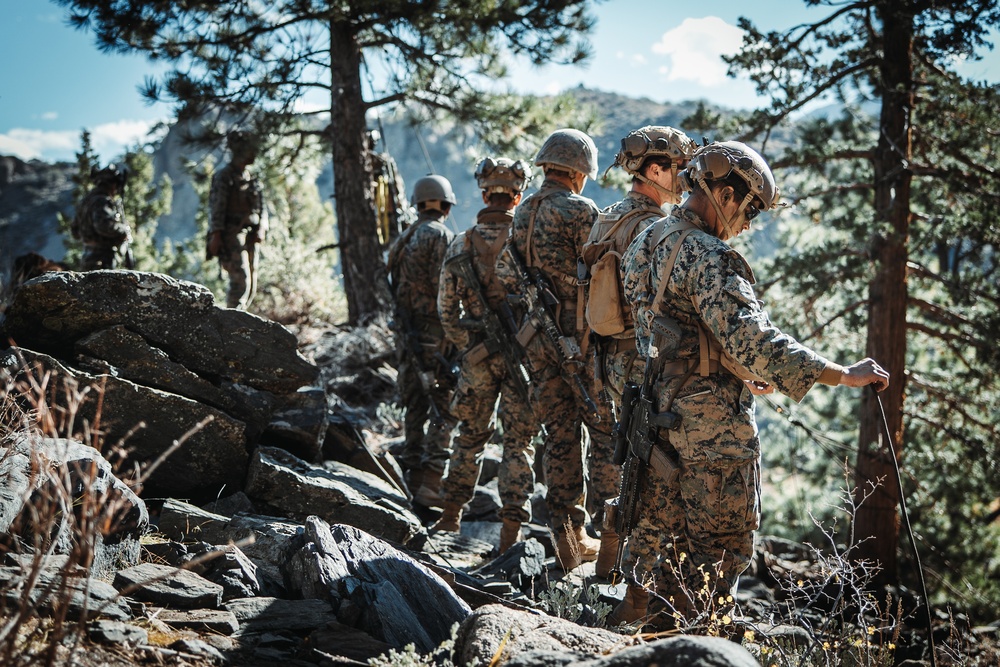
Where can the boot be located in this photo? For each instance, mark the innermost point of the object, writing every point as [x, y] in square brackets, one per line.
[575, 547]
[609, 553]
[632, 607]
[451, 519]
[429, 493]
[510, 533]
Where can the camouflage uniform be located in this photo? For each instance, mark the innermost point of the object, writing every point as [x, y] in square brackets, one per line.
[709, 510]
[236, 210]
[562, 222]
[415, 259]
[100, 223]
[482, 379]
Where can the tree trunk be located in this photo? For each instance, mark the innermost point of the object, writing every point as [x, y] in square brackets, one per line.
[876, 523]
[360, 254]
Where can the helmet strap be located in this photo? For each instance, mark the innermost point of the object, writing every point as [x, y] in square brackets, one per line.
[723, 219]
[674, 194]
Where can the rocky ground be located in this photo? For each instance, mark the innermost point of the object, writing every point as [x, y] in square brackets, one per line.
[269, 523]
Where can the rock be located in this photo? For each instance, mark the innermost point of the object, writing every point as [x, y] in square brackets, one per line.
[176, 316]
[682, 651]
[121, 352]
[521, 565]
[212, 620]
[335, 492]
[269, 614]
[347, 642]
[482, 633]
[227, 566]
[168, 586]
[199, 649]
[299, 423]
[67, 485]
[57, 591]
[374, 587]
[116, 632]
[237, 503]
[210, 459]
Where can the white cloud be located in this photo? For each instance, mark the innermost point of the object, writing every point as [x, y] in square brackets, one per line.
[695, 49]
[109, 140]
[50, 115]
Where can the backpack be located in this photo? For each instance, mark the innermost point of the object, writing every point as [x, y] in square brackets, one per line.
[602, 254]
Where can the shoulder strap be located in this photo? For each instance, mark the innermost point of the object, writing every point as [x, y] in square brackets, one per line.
[401, 242]
[625, 218]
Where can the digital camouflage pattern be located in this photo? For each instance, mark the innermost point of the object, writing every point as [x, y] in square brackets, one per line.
[100, 224]
[415, 259]
[619, 359]
[482, 379]
[709, 512]
[562, 222]
[236, 210]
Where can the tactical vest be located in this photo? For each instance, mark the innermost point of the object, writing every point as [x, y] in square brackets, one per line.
[485, 255]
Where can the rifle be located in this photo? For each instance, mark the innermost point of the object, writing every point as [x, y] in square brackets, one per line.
[636, 434]
[539, 300]
[500, 335]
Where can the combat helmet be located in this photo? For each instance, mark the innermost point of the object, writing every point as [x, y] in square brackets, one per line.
[502, 175]
[432, 188]
[570, 149]
[241, 143]
[113, 175]
[717, 161]
[653, 141]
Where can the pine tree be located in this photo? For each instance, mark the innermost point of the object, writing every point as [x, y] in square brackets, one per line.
[905, 206]
[243, 59]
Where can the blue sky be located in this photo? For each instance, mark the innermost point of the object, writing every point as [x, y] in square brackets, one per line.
[56, 82]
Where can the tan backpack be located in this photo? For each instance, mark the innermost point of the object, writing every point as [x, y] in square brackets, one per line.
[602, 254]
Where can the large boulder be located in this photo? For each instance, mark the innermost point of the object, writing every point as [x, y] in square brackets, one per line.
[335, 492]
[211, 458]
[374, 587]
[57, 495]
[52, 312]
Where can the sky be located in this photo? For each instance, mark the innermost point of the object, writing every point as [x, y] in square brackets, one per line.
[55, 82]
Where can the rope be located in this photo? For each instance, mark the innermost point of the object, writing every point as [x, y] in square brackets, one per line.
[909, 530]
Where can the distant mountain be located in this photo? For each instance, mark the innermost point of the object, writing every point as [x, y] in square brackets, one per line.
[31, 193]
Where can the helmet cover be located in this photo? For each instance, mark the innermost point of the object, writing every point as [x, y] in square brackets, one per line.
[570, 149]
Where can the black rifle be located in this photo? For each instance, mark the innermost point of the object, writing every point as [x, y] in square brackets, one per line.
[539, 301]
[636, 433]
[499, 334]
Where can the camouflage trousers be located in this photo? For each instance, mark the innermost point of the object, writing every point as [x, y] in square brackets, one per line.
[562, 412]
[695, 532]
[235, 261]
[473, 405]
[422, 396]
[97, 257]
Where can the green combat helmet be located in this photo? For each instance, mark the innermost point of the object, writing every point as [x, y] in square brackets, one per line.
[430, 189]
[569, 149]
[502, 175]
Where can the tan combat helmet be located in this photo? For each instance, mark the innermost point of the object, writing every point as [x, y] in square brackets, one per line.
[502, 175]
[431, 191]
[717, 161]
[655, 141]
[569, 149]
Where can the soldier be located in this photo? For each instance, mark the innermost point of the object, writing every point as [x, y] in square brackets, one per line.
[548, 232]
[698, 512]
[653, 155]
[414, 266]
[237, 219]
[484, 373]
[100, 221]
